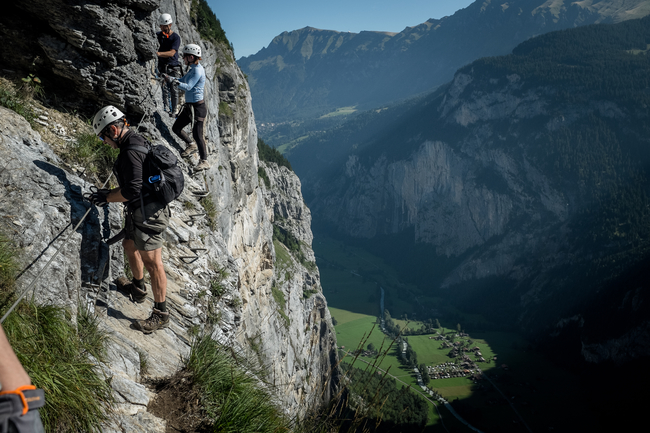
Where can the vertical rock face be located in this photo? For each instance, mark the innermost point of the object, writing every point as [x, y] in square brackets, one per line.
[223, 268]
[423, 192]
[101, 49]
[288, 319]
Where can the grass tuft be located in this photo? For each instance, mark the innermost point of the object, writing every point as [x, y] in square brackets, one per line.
[91, 153]
[8, 266]
[278, 295]
[233, 397]
[265, 177]
[225, 109]
[210, 212]
[13, 101]
[144, 361]
[60, 356]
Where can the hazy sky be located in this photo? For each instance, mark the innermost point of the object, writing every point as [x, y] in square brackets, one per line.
[252, 24]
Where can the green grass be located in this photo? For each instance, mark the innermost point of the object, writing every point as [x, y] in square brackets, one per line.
[344, 316]
[8, 267]
[353, 328]
[11, 100]
[60, 355]
[261, 173]
[225, 109]
[282, 303]
[282, 256]
[284, 148]
[233, 397]
[350, 333]
[61, 358]
[540, 387]
[341, 111]
[96, 157]
[210, 211]
[530, 376]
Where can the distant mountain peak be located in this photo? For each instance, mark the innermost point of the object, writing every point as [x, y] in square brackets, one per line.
[310, 72]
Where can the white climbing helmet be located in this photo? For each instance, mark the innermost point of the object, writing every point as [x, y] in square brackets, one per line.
[193, 49]
[165, 19]
[104, 117]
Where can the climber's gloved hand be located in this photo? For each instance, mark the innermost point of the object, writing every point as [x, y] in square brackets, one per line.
[99, 197]
[167, 78]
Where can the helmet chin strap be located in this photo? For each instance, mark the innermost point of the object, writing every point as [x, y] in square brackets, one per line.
[118, 137]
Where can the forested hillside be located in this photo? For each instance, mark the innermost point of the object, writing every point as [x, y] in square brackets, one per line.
[519, 190]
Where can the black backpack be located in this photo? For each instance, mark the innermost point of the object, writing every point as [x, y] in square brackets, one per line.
[169, 182]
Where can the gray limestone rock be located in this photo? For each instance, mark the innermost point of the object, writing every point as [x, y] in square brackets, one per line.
[101, 50]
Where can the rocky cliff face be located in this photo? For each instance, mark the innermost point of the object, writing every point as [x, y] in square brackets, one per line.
[270, 306]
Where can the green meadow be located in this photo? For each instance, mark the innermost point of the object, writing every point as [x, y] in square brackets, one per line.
[291, 144]
[355, 329]
[529, 378]
[341, 111]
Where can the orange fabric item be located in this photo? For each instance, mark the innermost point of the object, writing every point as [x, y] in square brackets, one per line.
[19, 392]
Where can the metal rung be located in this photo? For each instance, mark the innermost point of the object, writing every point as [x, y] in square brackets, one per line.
[190, 222]
[200, 193]
[184, 258]
[193, 258]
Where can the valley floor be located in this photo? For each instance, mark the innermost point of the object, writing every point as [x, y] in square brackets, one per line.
[519, 389]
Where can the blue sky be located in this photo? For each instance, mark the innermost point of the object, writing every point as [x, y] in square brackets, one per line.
[252, 24]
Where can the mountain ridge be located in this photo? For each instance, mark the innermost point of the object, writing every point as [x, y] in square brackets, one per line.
[286, 85]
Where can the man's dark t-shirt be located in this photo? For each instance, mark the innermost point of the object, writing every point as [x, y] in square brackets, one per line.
[173, 42]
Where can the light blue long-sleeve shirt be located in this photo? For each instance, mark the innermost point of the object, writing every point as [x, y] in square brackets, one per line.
[192, 83]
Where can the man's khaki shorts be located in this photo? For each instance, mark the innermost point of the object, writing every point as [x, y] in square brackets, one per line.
[149, 237]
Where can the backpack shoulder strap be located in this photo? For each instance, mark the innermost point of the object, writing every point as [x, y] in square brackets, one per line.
[137, 148]
[138, 143]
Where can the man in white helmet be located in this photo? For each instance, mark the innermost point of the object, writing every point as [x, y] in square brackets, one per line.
[143, 242]
[168, 64]
[195, 108]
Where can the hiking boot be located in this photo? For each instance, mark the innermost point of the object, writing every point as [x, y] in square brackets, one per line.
[157, 320]
[203, 165]
[137, 295]
[191, 149]
[128, 287]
